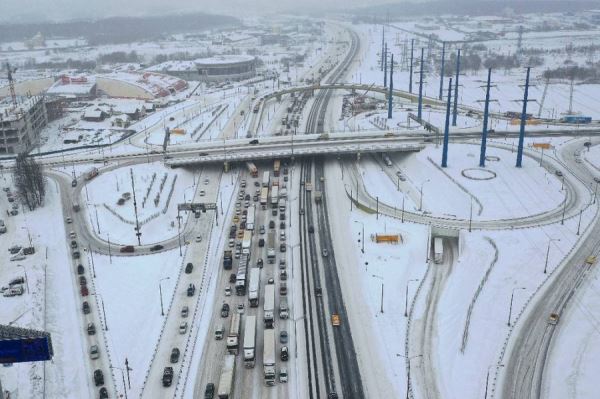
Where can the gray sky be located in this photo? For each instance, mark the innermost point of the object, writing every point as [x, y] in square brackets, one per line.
[60, 10]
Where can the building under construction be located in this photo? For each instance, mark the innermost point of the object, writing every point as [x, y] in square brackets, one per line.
[20, 124]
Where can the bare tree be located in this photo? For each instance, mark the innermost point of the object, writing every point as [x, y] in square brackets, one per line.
[29, 181]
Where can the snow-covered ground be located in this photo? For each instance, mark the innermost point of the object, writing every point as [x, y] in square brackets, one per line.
[158, 220]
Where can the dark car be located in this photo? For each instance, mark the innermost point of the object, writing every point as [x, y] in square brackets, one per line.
[259, 263]
[283, 354]
[225, 310]
[91, 329]
[85, 307]
[253, 142]
[103, 393]
[156, 247]
[127, 249]
[282, 225]
[247, 197]
[167, 377]
[261, 242]
[74, 183]
[80, 269]
[82, 280]
[191, 290]
[84, 290]
[188, 268]
[28, 250]
[98, 377]
[232, 278]
[76, 255]
[209, 392]
[14, 249]
[311, 229]
[283, 337]
[174, 355]
[272, 224]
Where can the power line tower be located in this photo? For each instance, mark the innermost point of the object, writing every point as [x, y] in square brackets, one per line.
[525, 100]
[520, 39]
[11, 83]
[570, 111]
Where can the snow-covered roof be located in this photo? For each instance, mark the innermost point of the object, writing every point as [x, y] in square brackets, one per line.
[176, 66]
[93, 113]
[224, 60]
[72, 85]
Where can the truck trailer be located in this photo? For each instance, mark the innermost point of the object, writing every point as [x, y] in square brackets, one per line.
[233, 338]
[250, 342]
[271, 247]
[225, 390]
[254, 287]
[269, 357]
[269, 305]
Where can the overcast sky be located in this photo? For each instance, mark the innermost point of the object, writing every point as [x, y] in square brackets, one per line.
[60, 10]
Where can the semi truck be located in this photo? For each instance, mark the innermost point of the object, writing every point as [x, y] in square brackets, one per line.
[269, 305]
[264, 193]
[250, 217]
[252, 169]
[274, 196]
[246, 242]
[91, 173]
[265, 180]
[269, 357]
[227, 259]
[233, 338]
[271, 247]
[250, 342]
[438, 250]
[225, 390]
[254, 287]
[240, 277]
[276, 167]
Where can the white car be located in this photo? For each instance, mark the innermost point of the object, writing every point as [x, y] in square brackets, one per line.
[198, 238]
[69, 220]
[94, 352]
[240, 308]
[283, 375]
[202, 193]
[228, 291]
[183, 327]
[206, 181]
[18, 256]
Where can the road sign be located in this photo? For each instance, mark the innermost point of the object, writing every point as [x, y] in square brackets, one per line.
[19, 345]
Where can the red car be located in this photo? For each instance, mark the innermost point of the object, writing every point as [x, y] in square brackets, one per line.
[127, 249]
[84, 290]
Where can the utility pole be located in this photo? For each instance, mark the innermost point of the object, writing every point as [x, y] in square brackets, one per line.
[485, 120]
[410, 73]
[442, 70]
[447, 127]
[455, 111]
[385, 65]
[138, 233]
[391, 88]
[420, 107]
[523, 121]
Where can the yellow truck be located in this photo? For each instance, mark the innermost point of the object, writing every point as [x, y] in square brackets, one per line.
[335, 320]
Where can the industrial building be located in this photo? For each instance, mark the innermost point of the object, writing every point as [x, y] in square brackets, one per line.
[185, 70]
[20, 125]
[226, 68]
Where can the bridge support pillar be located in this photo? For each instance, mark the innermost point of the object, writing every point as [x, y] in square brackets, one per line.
[226, 166]
[278, 97]
[358, 156]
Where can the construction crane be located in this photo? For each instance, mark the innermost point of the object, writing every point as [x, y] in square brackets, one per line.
[11, 83]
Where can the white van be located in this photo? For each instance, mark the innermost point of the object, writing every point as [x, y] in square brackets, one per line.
[219, 332]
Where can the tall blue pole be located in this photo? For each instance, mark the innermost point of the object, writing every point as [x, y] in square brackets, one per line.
[454, 113]
[523, 120]
[485, 120]
[420, 109]
[410, 73]
[391, 87]
[442, 70]
[385, 65]
[447, 127]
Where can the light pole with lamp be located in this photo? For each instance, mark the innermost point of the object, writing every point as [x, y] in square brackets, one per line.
[291, 248]
[512, 295]
[123, 377]
[421, 191]
[406, 296]
[487, 377]
[184, 191]
[382, 280]
[103, 310]
[162, 312]
[548, 253]
[28, 235]
[26, 279]
[363, 235]
[409, 358]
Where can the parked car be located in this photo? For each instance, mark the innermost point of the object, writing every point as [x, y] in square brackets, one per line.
[225, 310]
[17, 257]
[98, 377]
[183, 327]
[94, 352]
[191, 290]
[156, 247]
[15, 249]
[188, 268]
[174, 355]
[28, 250]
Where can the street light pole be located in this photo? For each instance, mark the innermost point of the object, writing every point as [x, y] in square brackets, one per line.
[548, 253]
[162, 312]
[363, 235]
[421, 191]
[512, 295]
[26, 279]
[381, 278]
